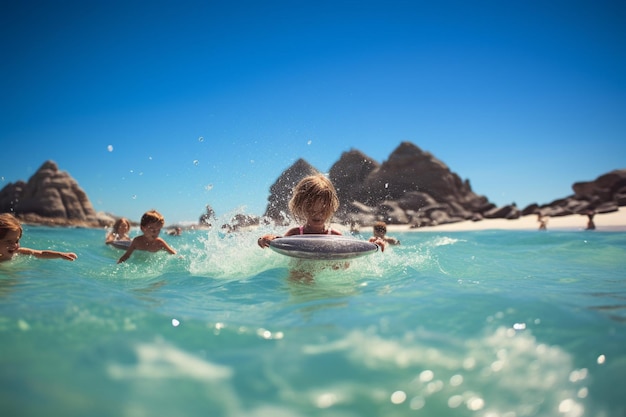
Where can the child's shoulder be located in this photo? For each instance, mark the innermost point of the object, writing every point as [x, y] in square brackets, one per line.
[293, 231]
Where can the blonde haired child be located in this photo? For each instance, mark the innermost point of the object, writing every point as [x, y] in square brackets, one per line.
[314, 202]
[10, 235]
[151, 224]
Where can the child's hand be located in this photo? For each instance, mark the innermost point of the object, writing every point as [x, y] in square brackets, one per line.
[379, 242]
[69, 256]
[264, 241]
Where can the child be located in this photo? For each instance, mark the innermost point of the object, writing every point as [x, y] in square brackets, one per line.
[10, 235]
[380, 231]
[151, 224]
[121, 227]
[314, 202]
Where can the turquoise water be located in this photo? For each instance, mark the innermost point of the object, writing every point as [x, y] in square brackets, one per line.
[489, 323]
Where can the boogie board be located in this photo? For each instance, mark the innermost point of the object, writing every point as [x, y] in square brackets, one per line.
[322, 247]
[120, 244]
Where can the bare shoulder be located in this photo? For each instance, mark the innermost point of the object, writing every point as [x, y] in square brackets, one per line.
[293, 231]
[139, 242]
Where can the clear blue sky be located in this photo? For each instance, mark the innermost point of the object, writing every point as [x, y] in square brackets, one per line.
[206, 102]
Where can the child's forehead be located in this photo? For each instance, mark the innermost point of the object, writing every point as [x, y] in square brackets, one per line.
[154, 224]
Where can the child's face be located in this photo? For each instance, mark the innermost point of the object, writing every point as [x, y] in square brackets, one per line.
[316, 213]
[9, 245]
[152, 230]
[379, 231]
[123, 228]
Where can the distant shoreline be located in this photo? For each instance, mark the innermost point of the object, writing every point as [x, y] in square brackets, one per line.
[607, 222]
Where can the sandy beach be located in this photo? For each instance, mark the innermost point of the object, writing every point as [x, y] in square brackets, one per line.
[609, 222]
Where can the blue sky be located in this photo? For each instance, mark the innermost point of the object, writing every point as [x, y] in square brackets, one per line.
[175, 105]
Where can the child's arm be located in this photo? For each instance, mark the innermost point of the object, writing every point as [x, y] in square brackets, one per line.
[167, 247]
[264, 241]
[48, 254]
[110, 238]
[127, 254]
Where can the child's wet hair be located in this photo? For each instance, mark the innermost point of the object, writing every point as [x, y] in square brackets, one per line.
[9, 222]
[151, 217]
[119, 221]
[380, 227]
[310, 190]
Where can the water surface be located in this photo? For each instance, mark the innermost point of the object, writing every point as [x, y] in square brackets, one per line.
[491, 323]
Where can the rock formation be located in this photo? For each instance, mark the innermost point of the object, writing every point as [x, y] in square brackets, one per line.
[51, 197]
[411, 187]
[280, 192]
[602, 195]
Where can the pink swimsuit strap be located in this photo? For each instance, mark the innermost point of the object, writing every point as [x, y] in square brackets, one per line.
[328, 233]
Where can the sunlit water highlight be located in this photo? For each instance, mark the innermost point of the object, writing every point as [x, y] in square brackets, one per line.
[490, 324]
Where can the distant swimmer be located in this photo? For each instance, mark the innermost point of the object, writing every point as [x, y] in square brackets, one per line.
[543, 221]
[380, 232]
[121, 227]
[177, 231]
[590, 224]
[151, 224]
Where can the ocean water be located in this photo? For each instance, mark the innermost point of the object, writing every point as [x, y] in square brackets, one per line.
[491, 323]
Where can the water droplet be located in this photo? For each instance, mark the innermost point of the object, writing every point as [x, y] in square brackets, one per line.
[208, 187]
[326, 400]
[475, 403]
[175, 322]
[398, 397]
[455, 401]
[386, 185]
[309, 142]
[417, 403]
[196, 162]
[134, 196]
[200, 139]
[426, 375]
[110, 148]
[456, 380]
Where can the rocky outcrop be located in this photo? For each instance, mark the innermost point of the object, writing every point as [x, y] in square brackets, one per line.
[280, 192]
[602, 195]
[50, 197]
[411, 187]
[348, 175]
[414, 187]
